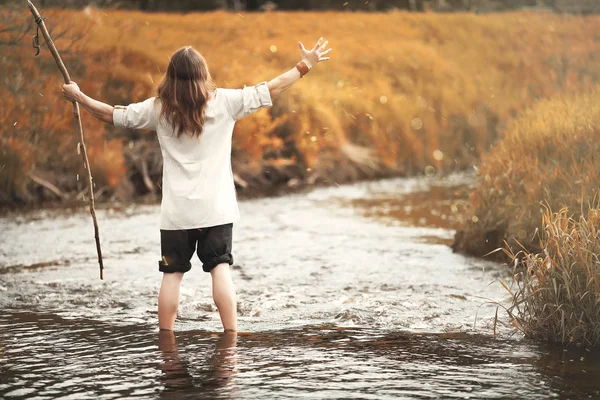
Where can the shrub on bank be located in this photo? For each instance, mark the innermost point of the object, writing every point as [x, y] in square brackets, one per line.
[548, 158]
[555, 294]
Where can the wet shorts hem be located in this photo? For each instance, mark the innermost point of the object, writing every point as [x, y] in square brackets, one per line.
[170, 269]
[211, 264]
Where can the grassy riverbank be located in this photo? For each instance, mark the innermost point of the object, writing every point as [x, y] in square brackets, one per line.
[547, 162]
[548, 159]
[404, 93]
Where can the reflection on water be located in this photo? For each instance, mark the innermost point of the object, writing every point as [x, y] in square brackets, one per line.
[46, 356]
[339, 293]
[177, 374]
[176, 377]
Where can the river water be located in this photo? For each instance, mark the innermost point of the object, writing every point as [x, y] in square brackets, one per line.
[344, 292]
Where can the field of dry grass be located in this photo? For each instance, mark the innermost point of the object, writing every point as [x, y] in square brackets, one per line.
[403, 93]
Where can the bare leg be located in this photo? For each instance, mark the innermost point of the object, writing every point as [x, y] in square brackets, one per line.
[224, 296]
[168, 300]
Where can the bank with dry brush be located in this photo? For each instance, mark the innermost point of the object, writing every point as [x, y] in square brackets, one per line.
[549, 158]
[538, 197]
[404, 92]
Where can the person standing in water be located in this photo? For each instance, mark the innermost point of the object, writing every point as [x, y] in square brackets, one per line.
[194, 123]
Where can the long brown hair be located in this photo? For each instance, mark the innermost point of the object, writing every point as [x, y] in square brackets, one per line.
[185, 91]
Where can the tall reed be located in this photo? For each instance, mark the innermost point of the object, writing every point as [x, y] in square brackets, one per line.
[555, 295]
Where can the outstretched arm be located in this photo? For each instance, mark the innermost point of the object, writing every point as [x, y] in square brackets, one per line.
[99, 110]
[310, 58]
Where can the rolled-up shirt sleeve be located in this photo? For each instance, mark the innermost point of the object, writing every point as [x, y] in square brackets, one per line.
[137, 115]
[243, 102]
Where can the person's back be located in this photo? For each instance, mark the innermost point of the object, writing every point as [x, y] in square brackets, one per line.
[198, 185]
[194, 123]
[198, 189]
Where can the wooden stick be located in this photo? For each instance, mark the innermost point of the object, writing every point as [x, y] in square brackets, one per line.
[61, 66]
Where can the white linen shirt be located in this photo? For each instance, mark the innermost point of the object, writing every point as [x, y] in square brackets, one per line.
[198, 190]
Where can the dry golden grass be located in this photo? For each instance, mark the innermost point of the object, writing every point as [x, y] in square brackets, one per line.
[411, 89]
[549, 158]
[555, 294]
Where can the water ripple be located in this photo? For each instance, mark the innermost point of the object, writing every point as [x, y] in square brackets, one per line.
[342, 301]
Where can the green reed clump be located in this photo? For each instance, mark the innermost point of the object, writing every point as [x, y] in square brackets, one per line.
[556, 293]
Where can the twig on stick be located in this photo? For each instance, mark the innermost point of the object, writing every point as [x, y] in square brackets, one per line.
[63, 70]
[48, 185]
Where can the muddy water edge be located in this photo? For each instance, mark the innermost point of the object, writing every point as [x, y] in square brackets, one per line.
[344, 292]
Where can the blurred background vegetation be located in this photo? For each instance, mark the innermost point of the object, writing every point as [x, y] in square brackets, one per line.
[579, 6]
[406, 93]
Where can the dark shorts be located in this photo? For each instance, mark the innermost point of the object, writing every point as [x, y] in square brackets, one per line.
[213, 246]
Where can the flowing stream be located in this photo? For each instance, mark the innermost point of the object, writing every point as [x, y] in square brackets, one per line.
[344, 292]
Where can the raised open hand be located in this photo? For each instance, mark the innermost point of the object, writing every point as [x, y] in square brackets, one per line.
[317, 54]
